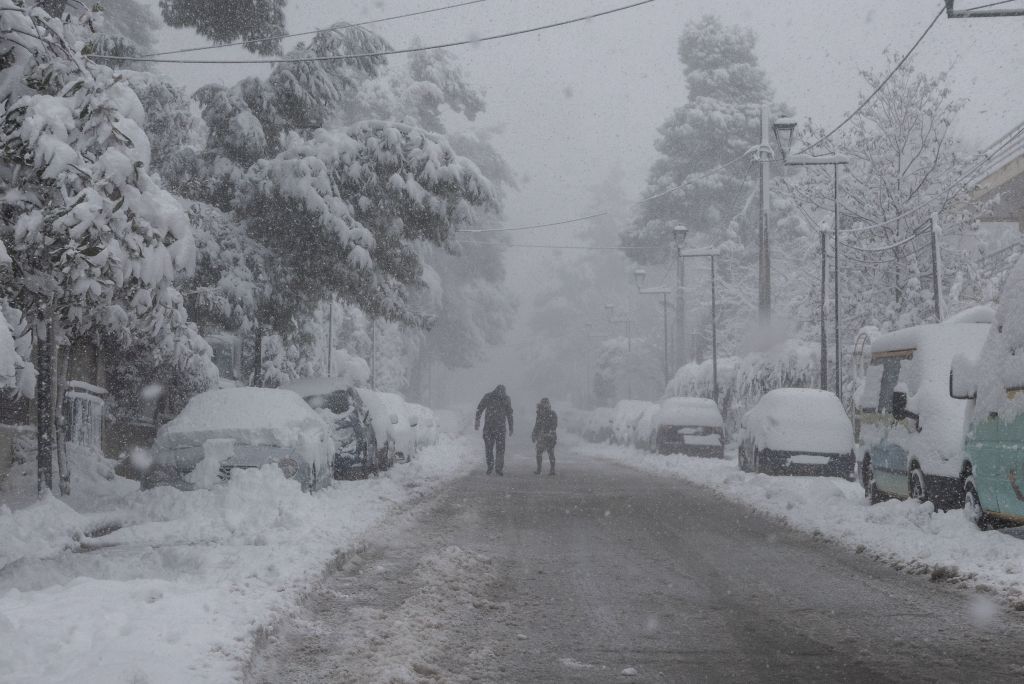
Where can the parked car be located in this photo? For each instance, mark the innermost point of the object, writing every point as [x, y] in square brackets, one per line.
[624, 419]
[394, 422]
[909, 430]
[646, 431]
[339, 404]
[690, 426]
[241, 427]
[598, 426]
[797, 431]
[992, 477]
[426, 425]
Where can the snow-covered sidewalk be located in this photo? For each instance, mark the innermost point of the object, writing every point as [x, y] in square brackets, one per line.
[910, 535]
[181, 591]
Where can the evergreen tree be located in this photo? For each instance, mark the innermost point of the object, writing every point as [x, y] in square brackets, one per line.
[223, 22]
[95, 241]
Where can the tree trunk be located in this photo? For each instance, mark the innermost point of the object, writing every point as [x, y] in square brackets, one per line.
[59, 384]
[257, 371]
[44, 408]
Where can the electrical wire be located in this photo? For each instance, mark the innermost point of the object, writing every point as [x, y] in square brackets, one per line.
[577, 247]
[1009, 139]
[918, 232]
[381, 53]
[991, 4]
[662, 193]
[282, 36]
[864, 103]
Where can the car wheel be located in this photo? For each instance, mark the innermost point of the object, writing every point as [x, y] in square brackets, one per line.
[973, 510]
[915, 486]
[871, 492]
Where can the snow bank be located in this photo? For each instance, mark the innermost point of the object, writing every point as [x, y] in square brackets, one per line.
[179, 592]
[910, 535]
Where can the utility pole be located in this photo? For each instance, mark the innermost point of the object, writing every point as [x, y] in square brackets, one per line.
[824, 335]
[373, 353]
[936, 267]
[835, 268]
[330, 334]
[679, 237]
[764, 264]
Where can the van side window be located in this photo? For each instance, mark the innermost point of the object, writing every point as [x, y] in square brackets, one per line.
[890, 376]
[872, 387]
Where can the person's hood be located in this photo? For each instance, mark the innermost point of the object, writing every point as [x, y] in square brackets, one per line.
[499, 391]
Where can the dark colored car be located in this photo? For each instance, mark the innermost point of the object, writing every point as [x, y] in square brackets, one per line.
[690, 426]
[355, 441]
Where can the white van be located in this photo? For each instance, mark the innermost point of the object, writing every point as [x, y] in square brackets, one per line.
[909, 430]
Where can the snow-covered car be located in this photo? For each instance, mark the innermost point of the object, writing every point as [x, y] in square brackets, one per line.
[797, 431]
[341, 407]
[910, 431]
[426, 425]
[645, 432]
[598, 426]
[241, 427]
[394, 423]
[689, 425]
[624, 419]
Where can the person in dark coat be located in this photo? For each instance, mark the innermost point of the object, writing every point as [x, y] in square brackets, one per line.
[496, 407]
[544, 434]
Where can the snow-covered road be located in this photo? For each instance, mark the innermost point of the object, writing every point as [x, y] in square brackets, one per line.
[182, 590]
[606, 573]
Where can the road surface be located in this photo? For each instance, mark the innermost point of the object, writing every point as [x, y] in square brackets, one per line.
[606, 574]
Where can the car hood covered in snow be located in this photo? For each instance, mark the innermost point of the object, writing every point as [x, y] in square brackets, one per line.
[248, 415]
[805, 420]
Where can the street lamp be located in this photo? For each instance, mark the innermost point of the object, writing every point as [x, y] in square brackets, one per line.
[784, 129]
[712, 253]
[639, 276]
[679, 237]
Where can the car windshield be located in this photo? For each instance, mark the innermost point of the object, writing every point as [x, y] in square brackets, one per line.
[498, 341]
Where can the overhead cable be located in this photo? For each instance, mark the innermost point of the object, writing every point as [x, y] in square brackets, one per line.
[380, 53]
[864, 103]
[282, 36]
[662, 193]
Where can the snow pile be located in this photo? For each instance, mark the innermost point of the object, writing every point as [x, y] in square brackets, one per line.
[625, 416]
[9, 358]
[800, 420]
[180, 590]
[1000, 366]
[910, 535]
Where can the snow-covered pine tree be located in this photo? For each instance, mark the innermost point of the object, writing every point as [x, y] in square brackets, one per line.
[718, 124]
[94, 240]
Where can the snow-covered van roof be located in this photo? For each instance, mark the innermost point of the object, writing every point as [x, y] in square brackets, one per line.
[951, 334]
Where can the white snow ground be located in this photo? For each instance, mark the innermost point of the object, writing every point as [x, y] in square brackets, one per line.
[910, 535]
[180, 592]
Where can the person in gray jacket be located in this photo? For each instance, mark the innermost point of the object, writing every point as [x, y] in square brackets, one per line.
[544, 434]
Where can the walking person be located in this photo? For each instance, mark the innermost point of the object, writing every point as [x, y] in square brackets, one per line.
[544, 434]
[496, 407]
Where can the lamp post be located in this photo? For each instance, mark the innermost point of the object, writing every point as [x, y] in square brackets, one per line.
[639, 276]
[784, 129]
[679, 237]
[709, 253]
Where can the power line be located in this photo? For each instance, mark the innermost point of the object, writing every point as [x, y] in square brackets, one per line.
[662, 193]
[579, 247]
[282, 36]
[899, 65]
[381, 53]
